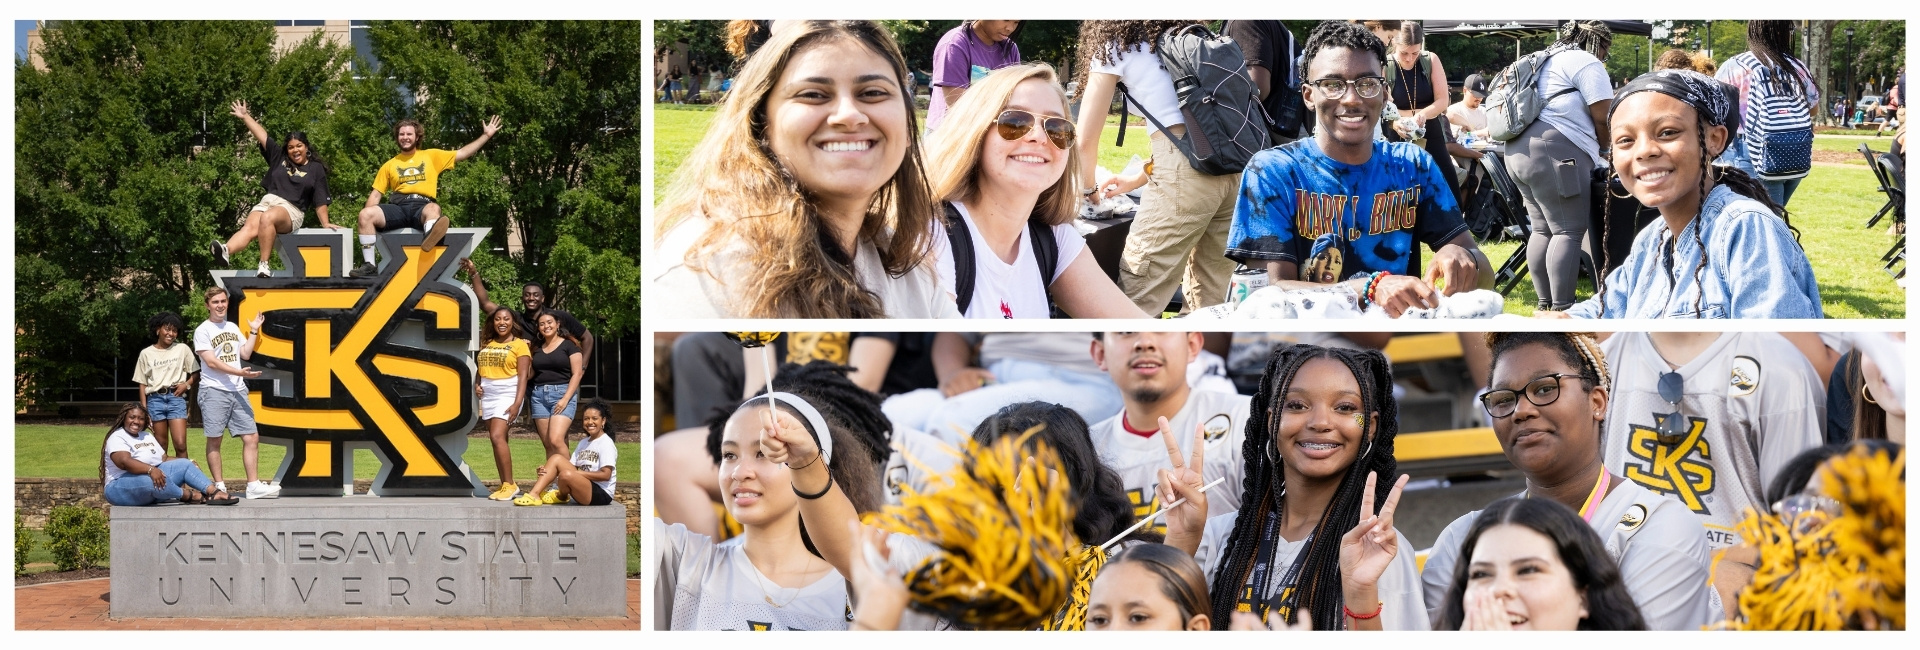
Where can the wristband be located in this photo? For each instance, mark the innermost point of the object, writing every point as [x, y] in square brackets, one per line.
[823, 491]
[1377, 608]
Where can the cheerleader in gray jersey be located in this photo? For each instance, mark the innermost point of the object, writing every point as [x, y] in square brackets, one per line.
[770, 577]
[1548, 399]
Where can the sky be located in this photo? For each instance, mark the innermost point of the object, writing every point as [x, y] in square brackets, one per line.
[20, 29]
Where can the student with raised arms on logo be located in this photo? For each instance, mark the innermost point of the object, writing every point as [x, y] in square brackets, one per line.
[1311, 539]
[410, 183]
[1151, 370]
[773, 575]
[1710, 419]
[1548, 399]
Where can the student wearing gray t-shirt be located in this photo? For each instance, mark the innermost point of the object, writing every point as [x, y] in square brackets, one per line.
[1547, 396]
[1553, 160]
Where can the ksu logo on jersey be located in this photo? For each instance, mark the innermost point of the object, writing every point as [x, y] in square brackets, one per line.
[1216, 427]
[1145, 502]
[1683, 470]
[380, 363]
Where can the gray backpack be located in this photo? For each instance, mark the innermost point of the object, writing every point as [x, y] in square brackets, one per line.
[1513, 99]
[1226, 124]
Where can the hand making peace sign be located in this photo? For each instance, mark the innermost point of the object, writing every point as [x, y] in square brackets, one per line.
[1366, 550]
[1184, 481]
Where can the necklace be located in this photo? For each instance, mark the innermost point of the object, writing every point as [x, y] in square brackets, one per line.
[1599, 493]
[1406, 83]
[761, 580]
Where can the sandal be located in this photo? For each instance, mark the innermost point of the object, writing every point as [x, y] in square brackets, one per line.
[188, 495]
[223, 499]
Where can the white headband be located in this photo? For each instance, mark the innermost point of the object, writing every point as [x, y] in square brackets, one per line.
[816, 425]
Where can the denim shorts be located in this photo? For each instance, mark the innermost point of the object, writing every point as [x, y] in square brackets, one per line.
[546, 395]
[165, 405]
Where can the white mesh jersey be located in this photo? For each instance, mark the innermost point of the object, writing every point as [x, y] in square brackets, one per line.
[1752, 401]
[706, 586]
[915, 461]
[1658, 544]
[1138, 460]
[1402, 605]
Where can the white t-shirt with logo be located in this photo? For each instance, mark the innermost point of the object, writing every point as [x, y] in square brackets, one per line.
[594, 454]
[1754, 402]
[706, 586]
[224, 339]
[1139, 459]
[1401, 602]
[1002, 290]
[143, 448]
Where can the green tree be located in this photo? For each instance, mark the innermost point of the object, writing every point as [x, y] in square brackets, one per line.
[565, 170]
[126, 164]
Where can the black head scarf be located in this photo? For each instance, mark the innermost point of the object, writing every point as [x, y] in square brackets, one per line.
[1707, 96]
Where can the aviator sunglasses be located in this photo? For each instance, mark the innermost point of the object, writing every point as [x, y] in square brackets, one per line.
[1015, 124]
[1673, 426]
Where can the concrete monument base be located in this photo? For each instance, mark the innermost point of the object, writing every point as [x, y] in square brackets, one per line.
[369, 556]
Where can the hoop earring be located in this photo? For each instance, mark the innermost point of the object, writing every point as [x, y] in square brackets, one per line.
[1623, 186]
[1866, 397]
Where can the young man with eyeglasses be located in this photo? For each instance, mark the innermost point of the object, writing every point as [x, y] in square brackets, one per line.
[1710, 419]
[1363, 201]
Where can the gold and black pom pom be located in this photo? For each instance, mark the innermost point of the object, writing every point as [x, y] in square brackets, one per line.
[752, 339]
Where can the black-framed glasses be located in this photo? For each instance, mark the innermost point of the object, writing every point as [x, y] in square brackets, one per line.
[1369, 87]
[1541, 392]
[1014, 124]
[1673, 425]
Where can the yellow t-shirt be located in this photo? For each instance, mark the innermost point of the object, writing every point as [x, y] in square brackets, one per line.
[417, 172]
[501, 360]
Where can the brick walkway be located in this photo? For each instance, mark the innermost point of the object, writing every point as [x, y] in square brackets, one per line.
[82, 605]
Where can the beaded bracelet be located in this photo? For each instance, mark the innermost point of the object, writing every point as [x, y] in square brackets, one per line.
[1373, 282]
[1377, 608]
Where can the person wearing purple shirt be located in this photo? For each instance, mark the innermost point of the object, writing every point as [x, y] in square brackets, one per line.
[966, 53]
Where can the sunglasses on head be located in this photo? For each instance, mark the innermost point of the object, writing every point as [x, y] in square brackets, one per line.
[1014, 124]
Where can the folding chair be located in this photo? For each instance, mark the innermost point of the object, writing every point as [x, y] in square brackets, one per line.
[1887, 186]
[1892, 172]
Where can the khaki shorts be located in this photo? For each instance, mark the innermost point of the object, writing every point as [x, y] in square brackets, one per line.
[294, 215]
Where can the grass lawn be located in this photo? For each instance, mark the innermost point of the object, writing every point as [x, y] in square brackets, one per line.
[1830, 208]
[66, 451]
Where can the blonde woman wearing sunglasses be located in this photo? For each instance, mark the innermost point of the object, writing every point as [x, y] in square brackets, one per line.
[1002, 165]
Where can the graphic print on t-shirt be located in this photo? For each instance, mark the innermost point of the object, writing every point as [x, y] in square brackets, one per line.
[1683, 470]
[226, 348]
[1292, 194]
[1145, 502]
[586, 460]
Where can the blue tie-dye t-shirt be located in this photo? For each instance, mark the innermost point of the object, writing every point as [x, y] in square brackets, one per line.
[1293, 193]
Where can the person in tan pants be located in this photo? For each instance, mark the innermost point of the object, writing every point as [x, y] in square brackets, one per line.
[1180, 233]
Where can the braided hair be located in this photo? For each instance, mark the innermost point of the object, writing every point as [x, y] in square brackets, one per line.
[1330, 34]
[1101, 507]
[1589, 35]
[1319, 587]
[1711, 175]
[120, 422]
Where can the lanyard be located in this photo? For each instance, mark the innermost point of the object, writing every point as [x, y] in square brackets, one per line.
[1255, 593]
[1592, 505]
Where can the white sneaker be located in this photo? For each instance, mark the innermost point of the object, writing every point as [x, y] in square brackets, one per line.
[264, 271]
[262, 490]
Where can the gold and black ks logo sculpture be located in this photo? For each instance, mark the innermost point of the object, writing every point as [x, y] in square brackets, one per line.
[382, 363]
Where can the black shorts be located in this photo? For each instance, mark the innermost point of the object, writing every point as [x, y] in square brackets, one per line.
[600, 497]
[405, 213]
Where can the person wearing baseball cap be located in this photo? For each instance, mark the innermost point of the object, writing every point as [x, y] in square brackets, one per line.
[1468, 115]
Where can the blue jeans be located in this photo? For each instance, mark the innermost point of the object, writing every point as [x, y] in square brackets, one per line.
[165, 405]
[546, 396]
[138, 489]
[1736, 155]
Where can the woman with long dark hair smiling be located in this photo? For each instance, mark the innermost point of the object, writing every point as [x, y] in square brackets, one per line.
[1534, 565]
[1313, 538]
[806, 198]
[1548, 400]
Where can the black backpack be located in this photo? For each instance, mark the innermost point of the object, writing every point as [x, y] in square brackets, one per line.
[1226, 124]
[1046, 251]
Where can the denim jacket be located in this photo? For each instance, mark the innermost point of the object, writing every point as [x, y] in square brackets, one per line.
[1754, 268]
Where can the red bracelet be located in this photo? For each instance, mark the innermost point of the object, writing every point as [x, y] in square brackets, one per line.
[1377, 608]
[1373, 283]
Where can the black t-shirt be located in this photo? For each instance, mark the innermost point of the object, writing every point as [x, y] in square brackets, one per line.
[1269, 44]
[305, 186]
[568, 324]
[554, 367]
[912, 366]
